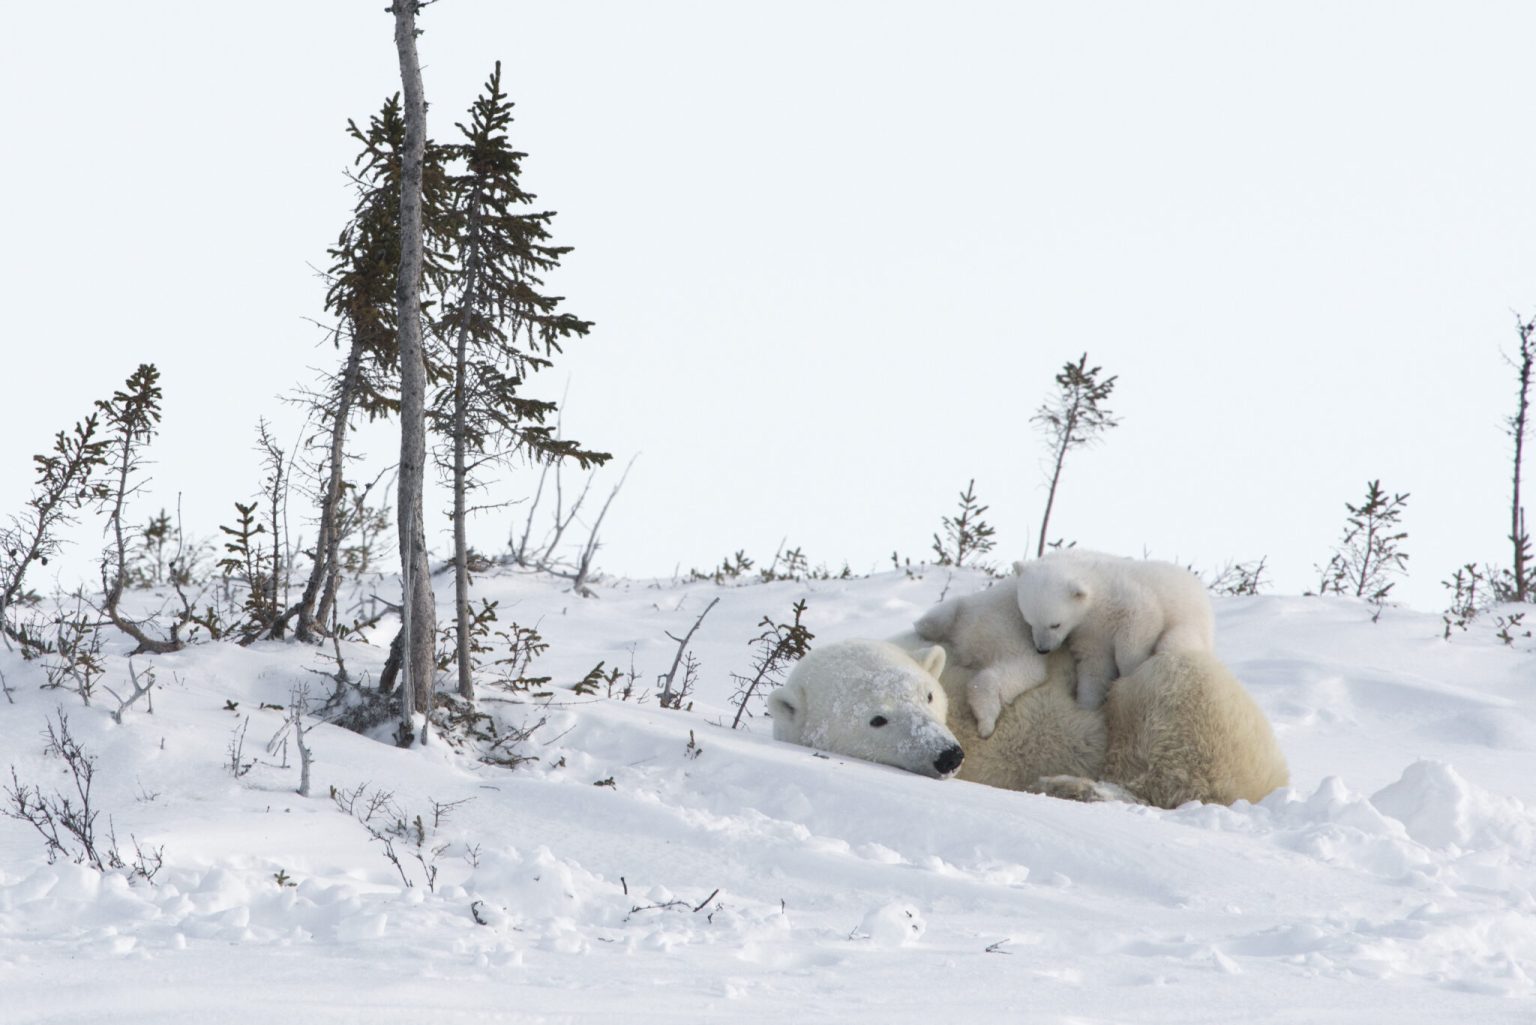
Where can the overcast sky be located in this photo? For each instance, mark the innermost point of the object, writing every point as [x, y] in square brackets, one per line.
[835, 253]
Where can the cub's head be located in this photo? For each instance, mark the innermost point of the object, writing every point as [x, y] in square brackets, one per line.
[1053, 598]
[870, 700]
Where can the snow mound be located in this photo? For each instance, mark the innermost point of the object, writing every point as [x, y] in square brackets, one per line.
[892, 925]
[1440, 809]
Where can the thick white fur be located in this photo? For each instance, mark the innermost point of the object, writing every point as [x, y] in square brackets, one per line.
[1180, 728]
[1043, 733]
[871, 700]
[987, 634]
[1112, 613]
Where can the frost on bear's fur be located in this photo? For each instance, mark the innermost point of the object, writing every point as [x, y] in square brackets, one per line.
[1179, 729]
[870, 700]
[988, 635]
[1112, 613]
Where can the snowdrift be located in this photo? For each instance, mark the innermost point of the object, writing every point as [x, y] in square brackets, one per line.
[651, 865]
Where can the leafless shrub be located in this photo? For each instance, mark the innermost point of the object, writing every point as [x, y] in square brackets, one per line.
[75, 662]
[480, 733]
[403, 838]
[671, 691]
[546, 555]
[141, 689]
[67, 822]
[1239, 579]
[237, 765]
[296, 726]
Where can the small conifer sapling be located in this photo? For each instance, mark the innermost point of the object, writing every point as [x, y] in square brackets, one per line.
[1075, 416]
[1370, 554]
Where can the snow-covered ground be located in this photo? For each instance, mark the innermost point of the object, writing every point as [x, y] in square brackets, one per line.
[651, 865]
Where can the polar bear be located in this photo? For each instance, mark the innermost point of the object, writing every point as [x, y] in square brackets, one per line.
[889, 707]
[988, 635]
[1112, 613]
[1181, 728]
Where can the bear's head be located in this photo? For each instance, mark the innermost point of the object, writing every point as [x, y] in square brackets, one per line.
[1054, 600]
[870, 700]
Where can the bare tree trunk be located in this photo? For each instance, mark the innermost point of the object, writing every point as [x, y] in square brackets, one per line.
[1050, 496]
[1517, 427]
[328, 541]
[467, 301]
[417, 604]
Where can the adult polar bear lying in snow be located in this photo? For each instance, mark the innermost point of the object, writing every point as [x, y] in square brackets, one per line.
[1180, 728]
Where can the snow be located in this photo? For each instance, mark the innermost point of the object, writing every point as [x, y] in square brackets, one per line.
[652, 865]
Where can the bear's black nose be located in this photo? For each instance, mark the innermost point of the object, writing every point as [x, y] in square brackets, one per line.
[949, 760]
[1043, 651]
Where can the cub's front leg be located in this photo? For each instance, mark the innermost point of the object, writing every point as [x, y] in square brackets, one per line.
[1095, 672]
[994, 687]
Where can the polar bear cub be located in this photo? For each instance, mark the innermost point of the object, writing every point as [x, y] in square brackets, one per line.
[989, 636]
[1112, 613]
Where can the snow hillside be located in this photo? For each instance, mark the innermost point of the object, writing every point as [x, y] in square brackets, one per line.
[651, 865]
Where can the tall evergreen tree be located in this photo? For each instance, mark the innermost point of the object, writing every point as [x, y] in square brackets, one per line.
[497, 326]
[363, 274]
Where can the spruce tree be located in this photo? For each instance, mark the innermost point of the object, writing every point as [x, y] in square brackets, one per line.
[1370, 555]
[131, 418]
[67, 480]
[1075, 417]
[496, 326]
[363, 273]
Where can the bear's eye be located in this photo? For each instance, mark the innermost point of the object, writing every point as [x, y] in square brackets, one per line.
[1055, 626]
[930, 699]
[878, 721]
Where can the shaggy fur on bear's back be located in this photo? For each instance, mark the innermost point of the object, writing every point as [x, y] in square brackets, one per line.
[1183, 728]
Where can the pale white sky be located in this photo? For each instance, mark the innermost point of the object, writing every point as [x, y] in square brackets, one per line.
[836, 252]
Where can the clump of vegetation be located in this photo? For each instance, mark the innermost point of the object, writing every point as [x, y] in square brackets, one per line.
[1075, 416]
[1468, 598]
[1369, 557]
[967, 535]
[672, 691]
[67, 820]
[776, 648]
[1239, 579]
[67, 481]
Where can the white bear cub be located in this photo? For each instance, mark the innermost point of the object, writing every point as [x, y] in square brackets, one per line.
[1112, 613]
[988, 635]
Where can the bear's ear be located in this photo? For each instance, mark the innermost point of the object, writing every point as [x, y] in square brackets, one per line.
[931, 659]
[786, 707]
[1079, 594]
[1018, 568]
